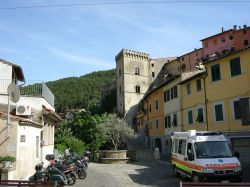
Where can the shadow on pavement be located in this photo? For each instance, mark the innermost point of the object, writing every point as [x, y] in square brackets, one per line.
[160, 173]
[155, 173]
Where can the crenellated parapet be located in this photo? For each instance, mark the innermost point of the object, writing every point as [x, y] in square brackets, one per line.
[132, 54]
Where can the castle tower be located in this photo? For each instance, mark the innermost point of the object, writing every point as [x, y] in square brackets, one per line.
[135, 71]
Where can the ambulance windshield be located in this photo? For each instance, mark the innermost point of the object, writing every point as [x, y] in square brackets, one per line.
[213, 149]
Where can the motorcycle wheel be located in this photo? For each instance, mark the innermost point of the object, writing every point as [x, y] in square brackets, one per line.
[82, 174]
[71, 179]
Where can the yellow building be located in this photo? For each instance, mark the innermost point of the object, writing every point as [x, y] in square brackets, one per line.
[153, 105]
[228, 98]
[193, 101]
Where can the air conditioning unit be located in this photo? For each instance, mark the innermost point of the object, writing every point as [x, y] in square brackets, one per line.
[23, 110]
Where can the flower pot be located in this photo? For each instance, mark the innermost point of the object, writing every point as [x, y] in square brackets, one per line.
[7, 164]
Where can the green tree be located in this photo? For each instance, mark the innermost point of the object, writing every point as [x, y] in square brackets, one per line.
[86, 127]
[65, 139]
[116, 130]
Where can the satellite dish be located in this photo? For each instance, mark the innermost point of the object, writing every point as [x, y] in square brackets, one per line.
[14, 93]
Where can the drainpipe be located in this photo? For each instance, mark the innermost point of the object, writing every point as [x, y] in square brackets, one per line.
[205, 95]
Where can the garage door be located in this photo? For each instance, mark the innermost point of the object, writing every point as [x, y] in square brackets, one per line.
[242, 145]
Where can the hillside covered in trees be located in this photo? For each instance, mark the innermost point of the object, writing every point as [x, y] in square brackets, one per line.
[81, 92]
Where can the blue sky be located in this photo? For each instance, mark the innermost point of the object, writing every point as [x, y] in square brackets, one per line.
[59, 42]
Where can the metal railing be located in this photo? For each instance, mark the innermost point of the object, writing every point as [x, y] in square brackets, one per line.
[25, 183]
[31, 89]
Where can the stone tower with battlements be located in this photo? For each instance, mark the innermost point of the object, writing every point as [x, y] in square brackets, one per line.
[135, 71]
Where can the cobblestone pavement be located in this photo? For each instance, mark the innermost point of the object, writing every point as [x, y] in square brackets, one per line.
[154, 173]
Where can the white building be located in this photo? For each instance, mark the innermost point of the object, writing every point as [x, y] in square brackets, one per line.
[30, 133]
[172, 111]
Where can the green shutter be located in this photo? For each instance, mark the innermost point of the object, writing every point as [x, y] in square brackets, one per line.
[235, 66]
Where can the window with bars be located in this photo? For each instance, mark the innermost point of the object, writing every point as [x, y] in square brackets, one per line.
[23, 138]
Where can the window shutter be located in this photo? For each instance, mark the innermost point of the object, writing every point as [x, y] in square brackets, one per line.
[245, 111]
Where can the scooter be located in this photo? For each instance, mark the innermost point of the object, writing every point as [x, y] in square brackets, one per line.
[49, 174]
[40, 174]
[58, 174]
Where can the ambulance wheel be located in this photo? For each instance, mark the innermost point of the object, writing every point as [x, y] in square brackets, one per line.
[195, 178]
[177, 174]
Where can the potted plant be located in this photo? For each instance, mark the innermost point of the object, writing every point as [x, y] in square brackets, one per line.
[116, 131]
[7, 161]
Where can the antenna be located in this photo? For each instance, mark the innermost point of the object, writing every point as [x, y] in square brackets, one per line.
[14, 96]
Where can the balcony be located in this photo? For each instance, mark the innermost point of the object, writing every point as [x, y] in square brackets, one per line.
[30, 89]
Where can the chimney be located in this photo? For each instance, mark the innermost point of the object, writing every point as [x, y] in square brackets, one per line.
[235, 27]
[222, 29]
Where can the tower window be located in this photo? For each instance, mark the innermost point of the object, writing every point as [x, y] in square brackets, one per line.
[153, 74]
[137, 89]
[137, 70]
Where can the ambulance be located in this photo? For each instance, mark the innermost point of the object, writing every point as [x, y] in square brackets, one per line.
[204, 156]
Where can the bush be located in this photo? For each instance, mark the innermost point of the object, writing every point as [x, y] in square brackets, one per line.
[8, 159]
[64, 140]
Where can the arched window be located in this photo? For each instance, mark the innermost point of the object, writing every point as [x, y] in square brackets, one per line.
[137, 70]
[137, 88]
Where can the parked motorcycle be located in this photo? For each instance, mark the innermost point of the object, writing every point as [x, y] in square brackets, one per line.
[40, 174]
[49, 174]
[73, 159]
[59, 173]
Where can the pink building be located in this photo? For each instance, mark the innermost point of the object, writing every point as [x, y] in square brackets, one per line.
[184, 63]
[226, 41]
[242, 38]
[189, 60]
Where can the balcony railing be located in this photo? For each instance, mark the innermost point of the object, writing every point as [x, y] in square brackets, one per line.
[30, 88]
